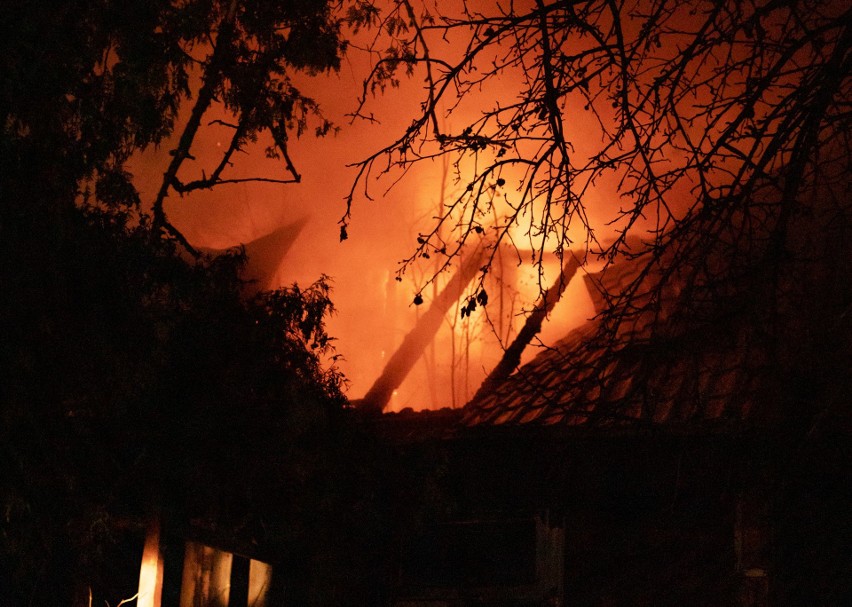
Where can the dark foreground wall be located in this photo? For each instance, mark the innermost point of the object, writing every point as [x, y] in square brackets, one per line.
[655, 518]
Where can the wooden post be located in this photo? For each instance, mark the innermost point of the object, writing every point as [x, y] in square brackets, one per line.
[751, 542]
[151, 571]
[240, 570]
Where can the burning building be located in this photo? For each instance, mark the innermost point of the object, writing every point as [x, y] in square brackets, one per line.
[670, 466]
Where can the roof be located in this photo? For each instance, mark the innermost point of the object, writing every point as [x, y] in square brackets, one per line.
[650, 368]
[409, 426]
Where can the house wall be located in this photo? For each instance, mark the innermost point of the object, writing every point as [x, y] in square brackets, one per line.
[637, 520]
[529, 518]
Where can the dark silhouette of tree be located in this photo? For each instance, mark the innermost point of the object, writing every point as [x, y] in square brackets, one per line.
[132, 372]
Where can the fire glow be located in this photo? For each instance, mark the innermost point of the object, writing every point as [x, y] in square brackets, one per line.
[151, 572]
[376, 310]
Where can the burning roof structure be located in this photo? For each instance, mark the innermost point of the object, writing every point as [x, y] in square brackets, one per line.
[650, 367]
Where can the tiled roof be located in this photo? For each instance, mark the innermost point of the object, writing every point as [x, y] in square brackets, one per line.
[649, 369]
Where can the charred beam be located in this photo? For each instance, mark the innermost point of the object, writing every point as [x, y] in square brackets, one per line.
[416, 341]
[512, 356]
